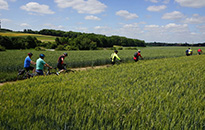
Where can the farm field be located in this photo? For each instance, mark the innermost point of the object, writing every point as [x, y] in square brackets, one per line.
[12, 60]
[165, 93]
[43, 38]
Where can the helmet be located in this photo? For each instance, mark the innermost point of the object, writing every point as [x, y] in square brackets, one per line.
[30, 54]
[42, 55]
[66, 54]
[116, 51]
[139, 51]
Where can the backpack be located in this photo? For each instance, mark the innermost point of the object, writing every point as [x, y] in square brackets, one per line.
[135, 55]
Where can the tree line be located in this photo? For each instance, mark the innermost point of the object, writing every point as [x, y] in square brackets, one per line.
[86, 41]
[67, 40]
[173, 44]
[18, 42]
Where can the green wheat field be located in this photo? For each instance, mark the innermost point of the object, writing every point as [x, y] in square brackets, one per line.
[163, 91]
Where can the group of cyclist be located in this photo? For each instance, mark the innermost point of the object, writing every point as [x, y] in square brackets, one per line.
[114, 56]
[40, 63]
[189, 52]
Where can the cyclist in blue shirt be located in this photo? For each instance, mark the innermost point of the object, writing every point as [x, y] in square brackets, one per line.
[28, 62]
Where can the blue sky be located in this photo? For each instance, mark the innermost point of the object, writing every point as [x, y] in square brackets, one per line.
[149, 20]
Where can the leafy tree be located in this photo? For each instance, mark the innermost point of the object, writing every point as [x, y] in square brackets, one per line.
[6, 42]
[32, 42]
[93, 46]
[57, 40]
[2, 48]
[60, 47]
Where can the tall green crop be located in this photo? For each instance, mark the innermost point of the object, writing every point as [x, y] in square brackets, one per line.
[12, 60]
[164, 93]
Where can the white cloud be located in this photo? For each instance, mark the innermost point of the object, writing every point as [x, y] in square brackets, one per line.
[133, 25]
[82, 29]
[151, 26]
[91, 17]
[153, 1]
[53, 26]
[4, 5]
[191, 3]
[83, 6]
[105, 30]
[195, 19]
[24, 25]
[157, 1]
[201, 29]
[125, 14]
[172, 32]
[173, 15]
[37, 8]
[166, 1]
[5, 20]
[132, 30]
[168, 33]
[156, 8]
[172, 27]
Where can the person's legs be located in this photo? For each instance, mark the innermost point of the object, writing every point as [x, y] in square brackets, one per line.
[136, 59]
[39, 72]
[60, 68]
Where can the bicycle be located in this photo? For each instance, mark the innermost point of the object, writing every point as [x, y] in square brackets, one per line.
[50, 72]
[23, 74]
[67, 70]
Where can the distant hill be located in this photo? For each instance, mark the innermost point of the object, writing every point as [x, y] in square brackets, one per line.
[43, 38]
[5, 30]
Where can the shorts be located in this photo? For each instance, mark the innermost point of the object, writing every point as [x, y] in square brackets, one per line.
[135, 59]
[29, 68]
[199, 53]
[40, 72]
[60, 66]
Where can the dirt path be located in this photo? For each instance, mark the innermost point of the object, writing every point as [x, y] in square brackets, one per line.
[95, 67]
[76, 69]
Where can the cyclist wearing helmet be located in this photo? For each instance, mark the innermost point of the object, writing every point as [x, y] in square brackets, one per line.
[189, 52]
[199, 51]
[40, 63]
[136, 55]
[114, 56]
[60, 64]
[28, 62]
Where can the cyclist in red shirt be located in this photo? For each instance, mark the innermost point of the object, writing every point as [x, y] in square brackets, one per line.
[199, 51]
[136, 56]
[61, 65]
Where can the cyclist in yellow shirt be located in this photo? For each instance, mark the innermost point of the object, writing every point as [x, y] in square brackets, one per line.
[114, 56]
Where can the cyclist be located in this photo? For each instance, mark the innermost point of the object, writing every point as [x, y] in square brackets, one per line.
[28, 62]
[61, 65]
[199, 51]
[136, 56]
[189, 52]
[114, 56]
[40, 63]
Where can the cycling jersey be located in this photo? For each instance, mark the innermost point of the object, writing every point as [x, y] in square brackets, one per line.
[27, 62]
[40, 64]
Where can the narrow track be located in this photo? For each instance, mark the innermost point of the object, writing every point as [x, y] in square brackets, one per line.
[76, 69]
